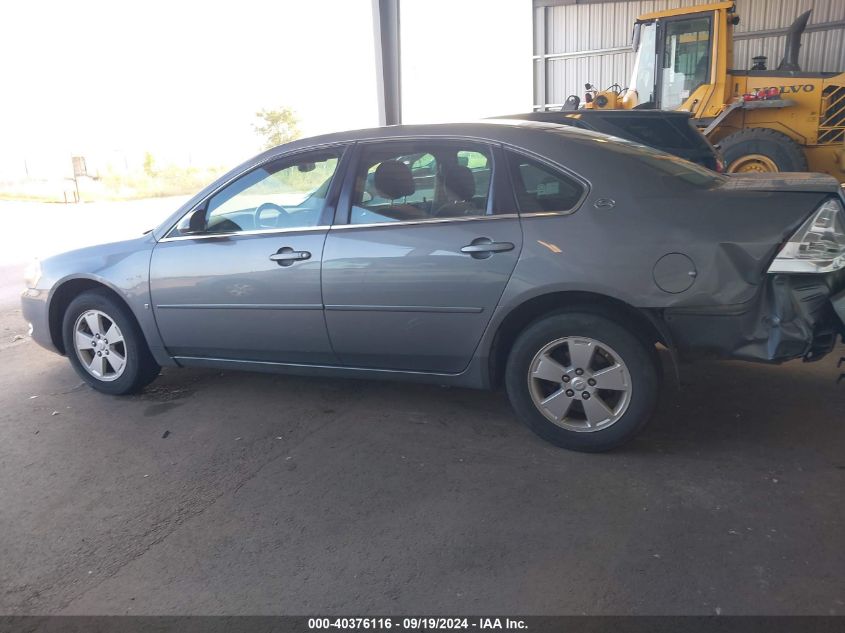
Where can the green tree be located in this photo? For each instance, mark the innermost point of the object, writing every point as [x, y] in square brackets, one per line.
[149, 164]
[276, 126]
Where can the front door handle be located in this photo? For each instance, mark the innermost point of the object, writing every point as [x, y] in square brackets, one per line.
[286, 256]
[484, 247]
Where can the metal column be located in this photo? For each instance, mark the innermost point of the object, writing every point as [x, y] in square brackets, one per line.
[388, 62]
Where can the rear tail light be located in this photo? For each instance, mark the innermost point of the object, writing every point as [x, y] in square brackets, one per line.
[818, 246]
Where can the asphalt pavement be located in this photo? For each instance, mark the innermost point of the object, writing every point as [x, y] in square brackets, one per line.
[234, 493]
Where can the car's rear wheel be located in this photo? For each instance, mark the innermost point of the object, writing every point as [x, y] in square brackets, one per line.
[582, 381]
[105, 345]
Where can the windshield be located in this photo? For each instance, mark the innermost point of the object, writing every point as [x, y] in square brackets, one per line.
[642, 80]
[671, 165]
[649, 164]
[686, 60]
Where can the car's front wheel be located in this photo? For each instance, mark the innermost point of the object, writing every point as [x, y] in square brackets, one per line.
[582, 381]
[105, 345]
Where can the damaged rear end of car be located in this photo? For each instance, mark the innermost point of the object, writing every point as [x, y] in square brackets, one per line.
[798, 308]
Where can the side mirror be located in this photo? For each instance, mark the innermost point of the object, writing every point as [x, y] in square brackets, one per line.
[196, 224]
[635, 37]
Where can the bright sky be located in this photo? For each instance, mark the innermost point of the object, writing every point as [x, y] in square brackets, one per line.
[184, 79]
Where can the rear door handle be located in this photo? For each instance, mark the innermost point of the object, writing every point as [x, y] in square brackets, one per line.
[286, 256]
[484, 247]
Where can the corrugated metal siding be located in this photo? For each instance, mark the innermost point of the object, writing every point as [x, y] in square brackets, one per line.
[585, 35]
[820, 50]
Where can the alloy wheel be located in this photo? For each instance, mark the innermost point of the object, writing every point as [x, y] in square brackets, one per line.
[579, 384]
[100, 345]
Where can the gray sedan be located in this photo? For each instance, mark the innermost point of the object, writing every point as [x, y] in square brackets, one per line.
[552, 260]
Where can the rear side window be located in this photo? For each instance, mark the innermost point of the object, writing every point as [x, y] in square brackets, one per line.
[399, 181]
[540, 188]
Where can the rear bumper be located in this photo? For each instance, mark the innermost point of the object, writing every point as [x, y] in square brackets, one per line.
[793, 316]
[34, 310]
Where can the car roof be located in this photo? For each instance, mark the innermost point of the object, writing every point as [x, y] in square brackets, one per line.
[491, 129]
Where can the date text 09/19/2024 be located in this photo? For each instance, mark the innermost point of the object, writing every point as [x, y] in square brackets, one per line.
[416, 623]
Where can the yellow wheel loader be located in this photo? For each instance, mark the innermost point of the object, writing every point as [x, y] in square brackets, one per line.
[762, 120]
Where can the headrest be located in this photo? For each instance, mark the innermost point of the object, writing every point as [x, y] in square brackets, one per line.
[394, 180]
[459, 182]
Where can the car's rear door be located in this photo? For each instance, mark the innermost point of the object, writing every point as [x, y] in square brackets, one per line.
[247, 286]
[422, 251]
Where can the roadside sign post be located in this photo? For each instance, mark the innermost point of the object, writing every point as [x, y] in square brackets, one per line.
[79, 169]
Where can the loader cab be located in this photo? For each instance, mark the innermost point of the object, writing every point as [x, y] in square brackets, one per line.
[673, 60]
[678, 57]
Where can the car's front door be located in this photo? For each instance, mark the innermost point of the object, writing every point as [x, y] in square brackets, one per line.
[240, 277]
[420, 257]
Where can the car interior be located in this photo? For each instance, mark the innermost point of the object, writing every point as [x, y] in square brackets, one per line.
[441, 182]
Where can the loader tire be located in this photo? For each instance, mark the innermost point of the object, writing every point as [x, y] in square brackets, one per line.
[762, 150]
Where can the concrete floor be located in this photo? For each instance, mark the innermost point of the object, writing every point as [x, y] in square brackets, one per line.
[232, 493]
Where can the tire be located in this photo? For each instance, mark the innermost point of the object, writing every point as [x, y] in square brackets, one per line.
[631, 390]
[777, 149]
[108, 374]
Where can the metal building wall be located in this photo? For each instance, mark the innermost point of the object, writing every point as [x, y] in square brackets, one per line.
[578, 42]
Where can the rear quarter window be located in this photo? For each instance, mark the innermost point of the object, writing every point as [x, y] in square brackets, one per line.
[540, 188]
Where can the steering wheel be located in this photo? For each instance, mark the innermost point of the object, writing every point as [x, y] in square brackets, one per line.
[270, 223]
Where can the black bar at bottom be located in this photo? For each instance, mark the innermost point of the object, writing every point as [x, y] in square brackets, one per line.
[306, 624]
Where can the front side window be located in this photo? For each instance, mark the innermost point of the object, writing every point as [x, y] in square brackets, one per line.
[541, 189]
[421, 180]
[288, 193]
[686, 60]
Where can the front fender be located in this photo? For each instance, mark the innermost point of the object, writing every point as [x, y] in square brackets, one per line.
[123, 268]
